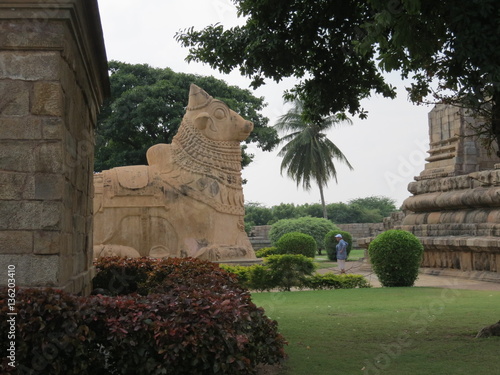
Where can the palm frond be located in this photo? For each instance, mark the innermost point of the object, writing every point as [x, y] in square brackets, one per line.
[308, 155]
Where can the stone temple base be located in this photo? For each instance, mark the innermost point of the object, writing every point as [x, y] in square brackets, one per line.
[457, 220]
[493, 277]
[478, 254]
[454, 209]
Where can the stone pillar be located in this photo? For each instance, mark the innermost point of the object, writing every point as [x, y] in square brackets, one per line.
[53, 79]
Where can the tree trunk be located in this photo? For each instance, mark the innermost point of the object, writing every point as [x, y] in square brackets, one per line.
[495, 119]
[323, 204]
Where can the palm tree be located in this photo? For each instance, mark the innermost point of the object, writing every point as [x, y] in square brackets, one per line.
[308, 153]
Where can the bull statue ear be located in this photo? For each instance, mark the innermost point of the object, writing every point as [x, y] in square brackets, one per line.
[203, 120]
[198, 98]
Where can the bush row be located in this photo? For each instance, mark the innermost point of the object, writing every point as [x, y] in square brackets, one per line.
[286, 271]
[331, 281]
[301, 236]
[122, 276]
[313, 226]
[191, 318]
[362, 210]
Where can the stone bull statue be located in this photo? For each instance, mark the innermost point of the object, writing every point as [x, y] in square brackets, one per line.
[188, 201]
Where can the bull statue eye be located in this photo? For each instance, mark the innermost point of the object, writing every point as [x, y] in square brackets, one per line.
[219, 113]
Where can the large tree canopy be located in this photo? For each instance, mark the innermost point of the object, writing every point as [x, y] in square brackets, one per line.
[310, 40]
[450, 50]
[147, 105]
[339, 50]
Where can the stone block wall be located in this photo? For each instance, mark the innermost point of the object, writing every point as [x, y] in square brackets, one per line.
[53, 79]
[259, 237]
[361, 230]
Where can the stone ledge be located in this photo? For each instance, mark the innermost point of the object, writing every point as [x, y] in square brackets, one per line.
[493, 277]
[462, 243]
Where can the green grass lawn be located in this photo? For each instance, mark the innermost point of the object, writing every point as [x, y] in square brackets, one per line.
[390, 331]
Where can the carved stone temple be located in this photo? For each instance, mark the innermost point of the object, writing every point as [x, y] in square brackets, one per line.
[188, 200]
[455, 207]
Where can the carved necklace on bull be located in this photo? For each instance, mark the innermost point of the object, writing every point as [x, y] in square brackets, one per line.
[218, 162]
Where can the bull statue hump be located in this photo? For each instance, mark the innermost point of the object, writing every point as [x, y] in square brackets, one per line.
[188, 200]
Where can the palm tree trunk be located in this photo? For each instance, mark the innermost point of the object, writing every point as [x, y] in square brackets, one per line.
[323, 204]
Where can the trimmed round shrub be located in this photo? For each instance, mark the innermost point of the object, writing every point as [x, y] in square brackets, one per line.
[255, 277]
[396, 256]
[331, 243]
[313, 226]
[266, 251]
[289, 270]
[297, 243]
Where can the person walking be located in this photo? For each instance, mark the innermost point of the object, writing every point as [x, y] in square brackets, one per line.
[341, 252]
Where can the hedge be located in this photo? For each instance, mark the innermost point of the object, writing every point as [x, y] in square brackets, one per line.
[332, 281]
[297, 243]
[313, 226]
[274, 272]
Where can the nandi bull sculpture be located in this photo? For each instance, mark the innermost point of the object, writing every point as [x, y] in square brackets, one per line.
[188, 201]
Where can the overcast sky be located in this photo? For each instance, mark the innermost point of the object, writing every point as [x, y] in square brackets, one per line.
[386, 150]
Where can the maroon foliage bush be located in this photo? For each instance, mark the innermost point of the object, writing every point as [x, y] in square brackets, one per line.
[202, 322]
[172, 273]
[185, 331]
[195, 318]
[121, 276]
[50, 336]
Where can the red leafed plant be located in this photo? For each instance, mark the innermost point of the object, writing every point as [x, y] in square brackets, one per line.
[191, 318]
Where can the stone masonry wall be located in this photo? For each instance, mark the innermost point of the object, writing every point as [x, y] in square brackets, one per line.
[361, 230]
[53, 78]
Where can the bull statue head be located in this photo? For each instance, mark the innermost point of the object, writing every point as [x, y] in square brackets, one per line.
[214, 119]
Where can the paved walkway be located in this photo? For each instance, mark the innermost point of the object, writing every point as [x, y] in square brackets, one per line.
[424, 279]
